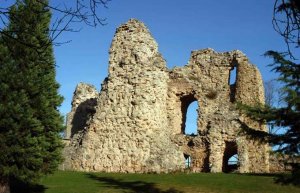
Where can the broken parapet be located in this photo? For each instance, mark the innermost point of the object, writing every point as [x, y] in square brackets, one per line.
[83, 106]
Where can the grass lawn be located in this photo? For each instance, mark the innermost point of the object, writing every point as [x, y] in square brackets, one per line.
[80, 182]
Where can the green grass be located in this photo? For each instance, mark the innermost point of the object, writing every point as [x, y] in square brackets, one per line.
[80, 182]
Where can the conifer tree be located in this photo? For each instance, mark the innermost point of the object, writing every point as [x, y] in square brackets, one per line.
[29, 119]
[288, 115]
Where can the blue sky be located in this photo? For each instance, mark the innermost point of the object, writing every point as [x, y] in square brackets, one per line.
[179, 27]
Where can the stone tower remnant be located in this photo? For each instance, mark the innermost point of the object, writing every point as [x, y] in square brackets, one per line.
[137, 121]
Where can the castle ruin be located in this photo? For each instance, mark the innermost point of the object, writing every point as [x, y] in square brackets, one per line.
[137, 121]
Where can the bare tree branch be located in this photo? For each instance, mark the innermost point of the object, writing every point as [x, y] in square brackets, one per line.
[270, 92]
[64, 15]
[286, 21]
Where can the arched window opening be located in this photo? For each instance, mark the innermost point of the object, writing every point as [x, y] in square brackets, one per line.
[232, 83]
[230, 158]
[187, 161]
[232, 76]
[189, 108]
[191, 119]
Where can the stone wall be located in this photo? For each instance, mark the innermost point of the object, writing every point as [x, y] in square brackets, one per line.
[83, 107]
[137, 121]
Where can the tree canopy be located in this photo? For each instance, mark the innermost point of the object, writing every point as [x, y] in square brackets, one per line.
[30, 122]
[286, 22]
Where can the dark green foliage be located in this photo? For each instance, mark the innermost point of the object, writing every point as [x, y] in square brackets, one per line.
[286, 116]
[29, 119]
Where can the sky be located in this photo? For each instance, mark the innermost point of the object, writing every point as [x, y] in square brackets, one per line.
[179, 27]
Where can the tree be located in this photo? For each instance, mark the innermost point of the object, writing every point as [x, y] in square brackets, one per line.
[271, 92]
[30, 122]
[286, 22]
[271, 96]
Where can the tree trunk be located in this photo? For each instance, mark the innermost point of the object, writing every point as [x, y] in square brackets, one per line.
[4, 186]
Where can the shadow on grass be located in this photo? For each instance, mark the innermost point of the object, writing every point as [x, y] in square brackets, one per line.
[275, 175]
[281, 178]
[286, 179]
[134, 186]
[19, 186]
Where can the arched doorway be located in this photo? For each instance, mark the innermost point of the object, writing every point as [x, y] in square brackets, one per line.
[230, 157]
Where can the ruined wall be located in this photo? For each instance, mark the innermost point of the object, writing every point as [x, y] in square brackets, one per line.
[129, 131]
[137, 123]
[206, 79]
[83, 107]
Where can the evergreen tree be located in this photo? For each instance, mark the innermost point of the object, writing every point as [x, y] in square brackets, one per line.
[29, 119]
[288, 115]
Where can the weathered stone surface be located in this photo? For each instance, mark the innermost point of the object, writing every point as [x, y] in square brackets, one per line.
[137, 122]
[83, 107]
[282, 163]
